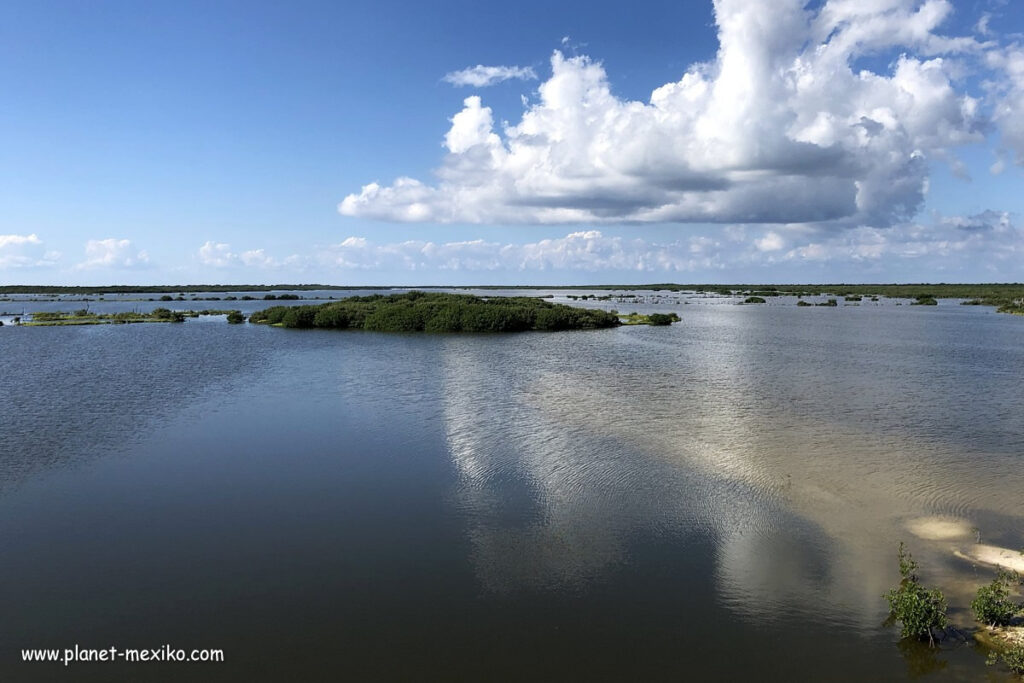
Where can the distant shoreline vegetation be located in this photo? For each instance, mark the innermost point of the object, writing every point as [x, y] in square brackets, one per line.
[1008, 291]
[1005, 297]
[418, 311]
[86, 317]
[173, 289]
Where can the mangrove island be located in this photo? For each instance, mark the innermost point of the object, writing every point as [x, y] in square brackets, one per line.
[440, 312]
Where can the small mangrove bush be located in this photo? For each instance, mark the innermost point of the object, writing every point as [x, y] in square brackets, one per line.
[919, 610]
[662, 318]
[992, 604]
[754, 300]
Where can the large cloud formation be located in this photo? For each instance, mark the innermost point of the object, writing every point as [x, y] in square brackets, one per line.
[784, 126]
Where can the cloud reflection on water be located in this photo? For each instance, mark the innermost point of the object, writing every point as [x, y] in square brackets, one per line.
[607, 441]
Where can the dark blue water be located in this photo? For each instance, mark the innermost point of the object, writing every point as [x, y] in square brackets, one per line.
[717, 500]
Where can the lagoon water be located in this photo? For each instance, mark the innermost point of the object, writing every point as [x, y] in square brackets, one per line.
[717, 500]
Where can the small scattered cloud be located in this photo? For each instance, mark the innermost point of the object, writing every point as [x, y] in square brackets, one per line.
[219, 255]
[25, 251]
[481, 76]
[772, 241]
[216, 254]
[113, 253]
[257, 258]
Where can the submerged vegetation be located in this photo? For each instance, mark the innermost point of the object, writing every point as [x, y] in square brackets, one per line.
[439, 312]
[919, 610]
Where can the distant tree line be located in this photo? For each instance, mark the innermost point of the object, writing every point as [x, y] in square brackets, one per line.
[167, 289]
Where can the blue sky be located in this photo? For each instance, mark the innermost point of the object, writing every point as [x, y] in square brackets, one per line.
[265, 142]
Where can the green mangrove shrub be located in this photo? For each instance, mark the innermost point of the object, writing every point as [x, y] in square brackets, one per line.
[1012, 657]
[235, 318]
[992, 604]
[167, 314]
[754, 300]
[920, 611]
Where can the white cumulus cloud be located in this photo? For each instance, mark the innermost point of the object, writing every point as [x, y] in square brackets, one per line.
[772, 241]
[219, 255]
[112, 253]
[481, 76]
[216, 254]
[1009, 94]
[25, 251]
[782, 126]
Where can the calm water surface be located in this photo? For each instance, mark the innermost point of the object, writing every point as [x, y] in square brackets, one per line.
[718, 500]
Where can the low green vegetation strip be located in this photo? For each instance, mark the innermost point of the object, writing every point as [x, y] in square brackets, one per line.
[1012, 307]
[439, 312]
[158, 315]
[655, 319]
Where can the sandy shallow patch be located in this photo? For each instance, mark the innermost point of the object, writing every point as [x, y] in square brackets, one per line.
[994, 556]
[940, 528]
